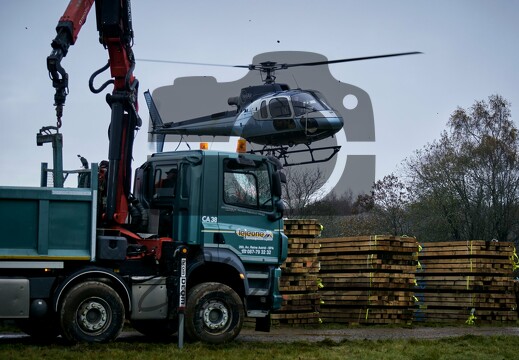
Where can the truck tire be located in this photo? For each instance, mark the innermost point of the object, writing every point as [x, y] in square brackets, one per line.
[214, 313]
[91, 312]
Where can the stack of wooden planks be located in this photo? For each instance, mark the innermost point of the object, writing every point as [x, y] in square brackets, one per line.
[300, 279]
[368, 279]
[393, 280]
[465, 281]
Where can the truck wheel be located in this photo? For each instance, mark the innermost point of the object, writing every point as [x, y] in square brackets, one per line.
[160, 329]
[214, 313]
[91, 312]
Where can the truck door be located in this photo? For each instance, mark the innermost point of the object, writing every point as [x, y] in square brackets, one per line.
[162, 196]
[245, 201]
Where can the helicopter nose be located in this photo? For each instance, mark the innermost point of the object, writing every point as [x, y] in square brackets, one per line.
[330, 123]
[320, 127]
[335, 123]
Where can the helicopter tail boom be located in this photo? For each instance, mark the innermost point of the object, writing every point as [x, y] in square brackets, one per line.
[218, 124]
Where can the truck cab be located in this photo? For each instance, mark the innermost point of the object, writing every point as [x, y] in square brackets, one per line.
[227, 208]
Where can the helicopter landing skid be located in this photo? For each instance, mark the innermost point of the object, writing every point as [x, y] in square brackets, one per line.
[283, 153]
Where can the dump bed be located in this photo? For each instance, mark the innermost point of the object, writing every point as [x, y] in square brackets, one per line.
[46, 224]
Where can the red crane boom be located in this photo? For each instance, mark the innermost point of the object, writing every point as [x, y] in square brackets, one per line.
[114, 24]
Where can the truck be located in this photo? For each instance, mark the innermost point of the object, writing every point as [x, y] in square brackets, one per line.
[195, 247]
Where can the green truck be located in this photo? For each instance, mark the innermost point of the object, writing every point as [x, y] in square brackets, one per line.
[195, 246]
[205, 243]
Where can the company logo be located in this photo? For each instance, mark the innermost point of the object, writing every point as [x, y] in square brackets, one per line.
[262, 235]
[183, 280]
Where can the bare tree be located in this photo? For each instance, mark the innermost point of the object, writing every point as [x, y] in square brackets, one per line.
[303, 187]
[391, 200]
[468, 180]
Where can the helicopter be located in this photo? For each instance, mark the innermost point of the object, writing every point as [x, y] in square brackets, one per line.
[272, 115]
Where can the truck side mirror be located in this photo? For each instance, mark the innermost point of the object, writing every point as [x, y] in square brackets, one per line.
[283, 177]
[278, 211]
[276, 184]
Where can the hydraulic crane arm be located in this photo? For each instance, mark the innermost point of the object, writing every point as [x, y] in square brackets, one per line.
[114, 24]
[67, 31]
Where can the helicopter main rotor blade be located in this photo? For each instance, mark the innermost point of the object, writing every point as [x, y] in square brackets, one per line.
[188, 63]
[276, 66]
[315, 63]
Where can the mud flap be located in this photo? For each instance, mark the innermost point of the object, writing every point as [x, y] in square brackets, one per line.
[263, 323]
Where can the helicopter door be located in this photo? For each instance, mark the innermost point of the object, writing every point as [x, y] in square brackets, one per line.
[243, 213]
[281, 114]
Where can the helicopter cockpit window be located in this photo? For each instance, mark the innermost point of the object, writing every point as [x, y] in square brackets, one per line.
[247, 186]
[279, 107]
[305, 103]
[321, 99]
[263, 110]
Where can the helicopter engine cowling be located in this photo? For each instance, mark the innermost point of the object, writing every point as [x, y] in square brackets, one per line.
[234, 101]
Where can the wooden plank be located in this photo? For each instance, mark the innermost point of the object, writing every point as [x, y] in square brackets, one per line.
[325, 267]
[465, 260]
[365, 249]
[299, 221]
[369, 238]
[383, 256]
[297, 252]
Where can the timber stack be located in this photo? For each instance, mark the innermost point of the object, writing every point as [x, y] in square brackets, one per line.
[300, 279]
[467, 281]
[368, 279]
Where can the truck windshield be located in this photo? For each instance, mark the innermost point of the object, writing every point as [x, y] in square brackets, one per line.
[247, 186]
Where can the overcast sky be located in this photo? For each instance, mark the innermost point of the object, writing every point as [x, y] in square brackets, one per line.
[470, 52]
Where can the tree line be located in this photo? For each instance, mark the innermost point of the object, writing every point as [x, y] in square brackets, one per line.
[462, 186]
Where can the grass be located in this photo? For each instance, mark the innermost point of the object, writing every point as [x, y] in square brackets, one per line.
[467, 347]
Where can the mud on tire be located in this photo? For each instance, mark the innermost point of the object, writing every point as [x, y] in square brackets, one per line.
[214, 313]
[91, 312]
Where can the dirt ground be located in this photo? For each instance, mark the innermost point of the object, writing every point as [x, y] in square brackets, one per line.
[293, 334]
[290, 334]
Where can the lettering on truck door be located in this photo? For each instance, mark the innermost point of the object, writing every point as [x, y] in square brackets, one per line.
[246, 200]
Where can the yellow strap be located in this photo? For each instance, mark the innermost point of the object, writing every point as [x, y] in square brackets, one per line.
[369, 261]
[367, 313]
[471, 268]
[515, 260]
[319, 282]
[472, 317]
[471, 265]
